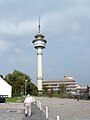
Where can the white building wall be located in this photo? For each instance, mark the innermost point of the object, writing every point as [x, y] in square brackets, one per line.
[5, 88]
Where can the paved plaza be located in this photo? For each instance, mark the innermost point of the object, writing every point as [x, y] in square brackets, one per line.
[15, 111]
[66, 109]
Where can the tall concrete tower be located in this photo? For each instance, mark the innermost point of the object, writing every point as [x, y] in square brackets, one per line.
[39, 44]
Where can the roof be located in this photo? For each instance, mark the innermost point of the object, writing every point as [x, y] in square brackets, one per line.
[2, 80]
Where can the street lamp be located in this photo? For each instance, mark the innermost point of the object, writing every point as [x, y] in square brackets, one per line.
[25, 86]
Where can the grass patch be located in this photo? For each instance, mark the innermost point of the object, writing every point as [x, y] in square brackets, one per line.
[15, 99]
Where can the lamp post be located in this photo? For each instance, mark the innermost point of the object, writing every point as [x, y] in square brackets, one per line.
[25, 86]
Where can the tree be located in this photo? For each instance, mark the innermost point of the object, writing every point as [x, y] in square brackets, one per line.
[45, 90]
[17, 81]
[1, 76]
[61, 89]
[32, 89]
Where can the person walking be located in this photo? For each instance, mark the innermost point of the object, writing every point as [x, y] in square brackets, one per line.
[27, 104]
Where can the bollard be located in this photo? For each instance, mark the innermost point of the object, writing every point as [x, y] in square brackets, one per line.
[57, 117]
[46, 112]
[40, 105]
[37, 103]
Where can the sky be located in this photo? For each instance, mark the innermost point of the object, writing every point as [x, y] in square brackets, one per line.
[66, 27]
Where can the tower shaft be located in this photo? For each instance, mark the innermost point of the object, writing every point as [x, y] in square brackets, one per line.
[39, 69]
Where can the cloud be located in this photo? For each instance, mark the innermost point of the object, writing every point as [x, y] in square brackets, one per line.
[66, 26]
[69, 22]
[4, 46]
[21, 28]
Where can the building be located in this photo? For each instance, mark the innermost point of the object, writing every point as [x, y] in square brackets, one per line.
[83, 89]
[68, 82]
[5, 88]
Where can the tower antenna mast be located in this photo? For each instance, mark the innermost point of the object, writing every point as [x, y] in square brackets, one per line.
[39, 25]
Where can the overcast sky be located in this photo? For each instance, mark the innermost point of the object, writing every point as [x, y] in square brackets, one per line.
[66, 26]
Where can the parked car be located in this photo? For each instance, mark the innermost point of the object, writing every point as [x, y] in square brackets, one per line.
[2, 99]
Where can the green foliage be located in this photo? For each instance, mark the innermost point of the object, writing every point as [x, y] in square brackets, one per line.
[32, 89]
[45, 90]
[1, 76]
[50, 92]
[60, 95]
[61, 89]
[15, 99]
[18, 80]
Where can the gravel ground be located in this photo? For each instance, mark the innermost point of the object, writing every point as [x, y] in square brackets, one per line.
[66, 109]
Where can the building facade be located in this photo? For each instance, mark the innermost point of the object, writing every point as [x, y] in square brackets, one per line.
[68, 82]
[5, 88]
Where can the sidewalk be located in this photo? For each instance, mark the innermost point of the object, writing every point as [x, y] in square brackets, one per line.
[14, 111]
[36, 114]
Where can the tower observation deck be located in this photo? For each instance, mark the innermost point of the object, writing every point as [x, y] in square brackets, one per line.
[39, 41]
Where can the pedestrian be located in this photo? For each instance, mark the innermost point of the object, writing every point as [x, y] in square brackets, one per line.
[27, 104]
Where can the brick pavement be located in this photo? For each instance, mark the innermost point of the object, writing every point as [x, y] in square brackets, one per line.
[10, 112]
[36, 114]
